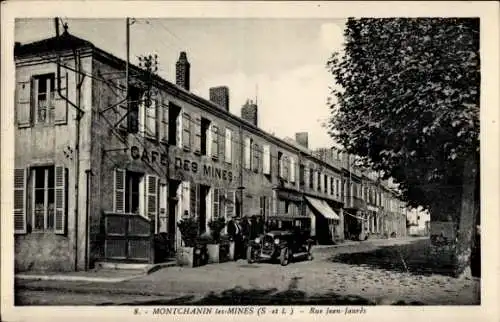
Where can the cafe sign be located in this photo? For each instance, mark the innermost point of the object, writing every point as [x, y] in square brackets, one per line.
[205, 170]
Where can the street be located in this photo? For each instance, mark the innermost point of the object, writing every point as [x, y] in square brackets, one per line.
[378, 272]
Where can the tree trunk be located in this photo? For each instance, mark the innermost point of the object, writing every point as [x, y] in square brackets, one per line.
[470, 204]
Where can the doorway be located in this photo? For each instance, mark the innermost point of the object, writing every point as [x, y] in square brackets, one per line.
[173, 208]
[202, 219]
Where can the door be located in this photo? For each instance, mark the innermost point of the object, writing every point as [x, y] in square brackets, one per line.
[204, 193]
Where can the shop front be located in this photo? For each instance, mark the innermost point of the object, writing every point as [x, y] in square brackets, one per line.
[326, 220]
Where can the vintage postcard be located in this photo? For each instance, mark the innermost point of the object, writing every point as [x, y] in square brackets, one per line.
[250, 160]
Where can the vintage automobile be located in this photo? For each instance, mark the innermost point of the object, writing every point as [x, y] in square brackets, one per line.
[287, 239]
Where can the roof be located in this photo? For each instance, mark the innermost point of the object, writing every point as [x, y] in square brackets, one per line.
[66, 42]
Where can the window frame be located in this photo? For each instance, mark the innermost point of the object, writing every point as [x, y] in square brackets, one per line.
[45, 188]
[50, 98]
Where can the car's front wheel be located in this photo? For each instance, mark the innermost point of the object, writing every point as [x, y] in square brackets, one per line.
[284, 257]
[250, 258]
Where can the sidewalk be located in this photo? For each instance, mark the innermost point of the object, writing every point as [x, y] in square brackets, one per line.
[122, 275]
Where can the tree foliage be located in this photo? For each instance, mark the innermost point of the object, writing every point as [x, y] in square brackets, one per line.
[408, 102]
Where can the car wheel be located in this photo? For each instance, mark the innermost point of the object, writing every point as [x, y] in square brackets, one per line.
[250, 258]
[310, 256]
[284, 257]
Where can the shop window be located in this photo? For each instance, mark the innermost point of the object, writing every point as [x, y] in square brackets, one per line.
[174, 121]
[228, 151]
[48, 196]
[205, 136]
[230, 203]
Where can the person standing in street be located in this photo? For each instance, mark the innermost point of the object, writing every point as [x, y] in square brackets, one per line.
[235, 234]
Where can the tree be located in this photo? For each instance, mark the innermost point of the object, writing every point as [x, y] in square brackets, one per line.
[408, 104]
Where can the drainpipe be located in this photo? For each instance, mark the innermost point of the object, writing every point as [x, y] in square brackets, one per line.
[77, 134]
[88, 173]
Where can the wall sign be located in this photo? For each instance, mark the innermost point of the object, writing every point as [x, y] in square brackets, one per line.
[150, 157]
[205, 170]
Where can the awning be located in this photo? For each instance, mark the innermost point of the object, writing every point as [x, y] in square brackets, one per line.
[357, 217]
[323, 208]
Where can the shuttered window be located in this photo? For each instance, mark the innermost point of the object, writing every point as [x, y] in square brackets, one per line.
[216, 202]
[150, 113]
[20, 177]
[48, 197]
[256, 158]
[119, 191]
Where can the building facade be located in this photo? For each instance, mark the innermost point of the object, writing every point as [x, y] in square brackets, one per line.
[94, 139]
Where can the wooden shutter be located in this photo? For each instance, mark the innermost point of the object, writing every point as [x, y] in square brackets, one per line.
[197, 133]
[164, 122]
[228, 146]
[150, 118]
[60, 104]
[119, 191]
[194, 196]
[152, 198]
[24, 101]
[162, 211]
[60, 200]
[20, 177]
[215, 203]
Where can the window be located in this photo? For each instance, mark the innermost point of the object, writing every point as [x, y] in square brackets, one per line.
[174, 128]
[311, 178]
[186, 131]
[45, 95]
[134, 94]
[48, 197]
[332, 186]
[215, 142]
[318, 181]
[148, 118]
[248, 152]
[164, 111]
[256, 158]
[286, 168]
[196, 126]
[205, 136]
[325, 183]
[301, 174]
[266, 159]
[43, 198]
[292, 169]
[281, 172]
[337, 186]
[132, 191]
[228, 146]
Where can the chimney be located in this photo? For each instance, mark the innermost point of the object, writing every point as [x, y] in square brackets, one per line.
[182, 71]
[302, 139]
[220, 96]
[249, 112]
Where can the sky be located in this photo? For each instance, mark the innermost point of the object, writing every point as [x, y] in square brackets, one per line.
[281, 62]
